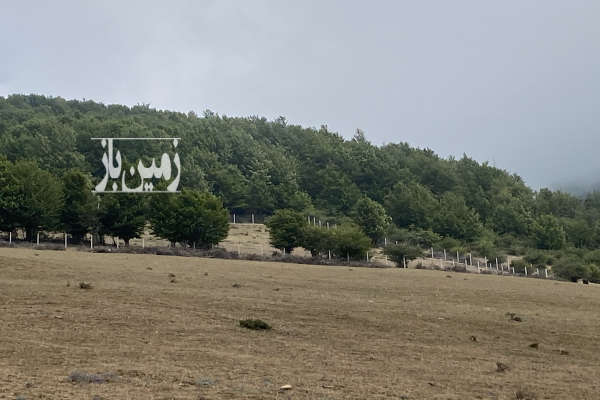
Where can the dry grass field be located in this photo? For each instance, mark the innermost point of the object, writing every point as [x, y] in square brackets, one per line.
[338, 333]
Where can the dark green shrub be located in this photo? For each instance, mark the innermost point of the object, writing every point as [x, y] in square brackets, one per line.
[401, 251]
[255, 324]
[350, 241]
[286, 229]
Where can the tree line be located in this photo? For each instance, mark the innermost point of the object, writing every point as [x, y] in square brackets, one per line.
[34, 200]
[258, 166]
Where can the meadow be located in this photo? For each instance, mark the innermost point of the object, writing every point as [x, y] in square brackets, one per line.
[165, 327]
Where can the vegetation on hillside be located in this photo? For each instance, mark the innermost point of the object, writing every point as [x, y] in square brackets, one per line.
[257, 166]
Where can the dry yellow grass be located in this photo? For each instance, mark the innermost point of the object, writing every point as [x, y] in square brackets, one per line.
[338, 333]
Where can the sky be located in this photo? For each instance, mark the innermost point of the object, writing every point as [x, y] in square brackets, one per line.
[513, 82]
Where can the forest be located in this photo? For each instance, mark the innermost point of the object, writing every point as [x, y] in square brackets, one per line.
[253, 165]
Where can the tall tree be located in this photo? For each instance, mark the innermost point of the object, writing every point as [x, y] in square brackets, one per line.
[286, 228]
[79, 211]
[190, 218]
[411, 204]
[371, 218]
[38, 196]
[122, 215]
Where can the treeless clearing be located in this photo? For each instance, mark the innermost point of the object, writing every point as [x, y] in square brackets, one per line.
[338, 333]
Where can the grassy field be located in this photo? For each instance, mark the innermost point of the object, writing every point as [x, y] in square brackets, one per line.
[338, 333]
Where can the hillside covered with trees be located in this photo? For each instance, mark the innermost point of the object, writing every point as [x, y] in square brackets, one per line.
[258, 166]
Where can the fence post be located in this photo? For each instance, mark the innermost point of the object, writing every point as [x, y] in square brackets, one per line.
[253, 218]
[65, 240]
[404, 260]
[457, 257]
[327, 224]
[444, 254]
[470, 259]
[329, 254]
[546, 271]
[348, 256]
[143, 243]
[10, 237]
[432, 252]
[367, 256]
[92, 241]
[525, 270]
[117, 243]
[234, 218]
[38, 238]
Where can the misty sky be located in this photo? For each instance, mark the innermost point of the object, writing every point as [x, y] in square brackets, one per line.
[513, 82]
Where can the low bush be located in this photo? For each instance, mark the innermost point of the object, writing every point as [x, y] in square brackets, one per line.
[402, 251]
[255, 324]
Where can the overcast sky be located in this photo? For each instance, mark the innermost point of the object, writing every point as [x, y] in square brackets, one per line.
[513, 82]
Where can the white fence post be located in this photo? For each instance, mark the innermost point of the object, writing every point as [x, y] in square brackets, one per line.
[91, 241]
[445, 255]
[10, 237]
[253, 219]
[65, 240]
[38, 238]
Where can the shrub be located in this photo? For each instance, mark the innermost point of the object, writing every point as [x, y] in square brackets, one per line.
[192, 217]
[372, 218]
[316, 240]
[254, 324]
[571, 268]
[415, 236]
[519, 265]
[350, 241]
[449, 243]
[593, 257]
[286, 228]
[538, 258]
[399, 252]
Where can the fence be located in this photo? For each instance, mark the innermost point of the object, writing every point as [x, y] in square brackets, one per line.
[254, 242]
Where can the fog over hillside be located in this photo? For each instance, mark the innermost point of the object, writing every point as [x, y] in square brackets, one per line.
[514, 83]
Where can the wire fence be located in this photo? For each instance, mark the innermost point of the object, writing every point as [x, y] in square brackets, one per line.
[253, 241]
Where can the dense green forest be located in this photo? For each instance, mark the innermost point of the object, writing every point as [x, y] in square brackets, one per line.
[260, 166]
